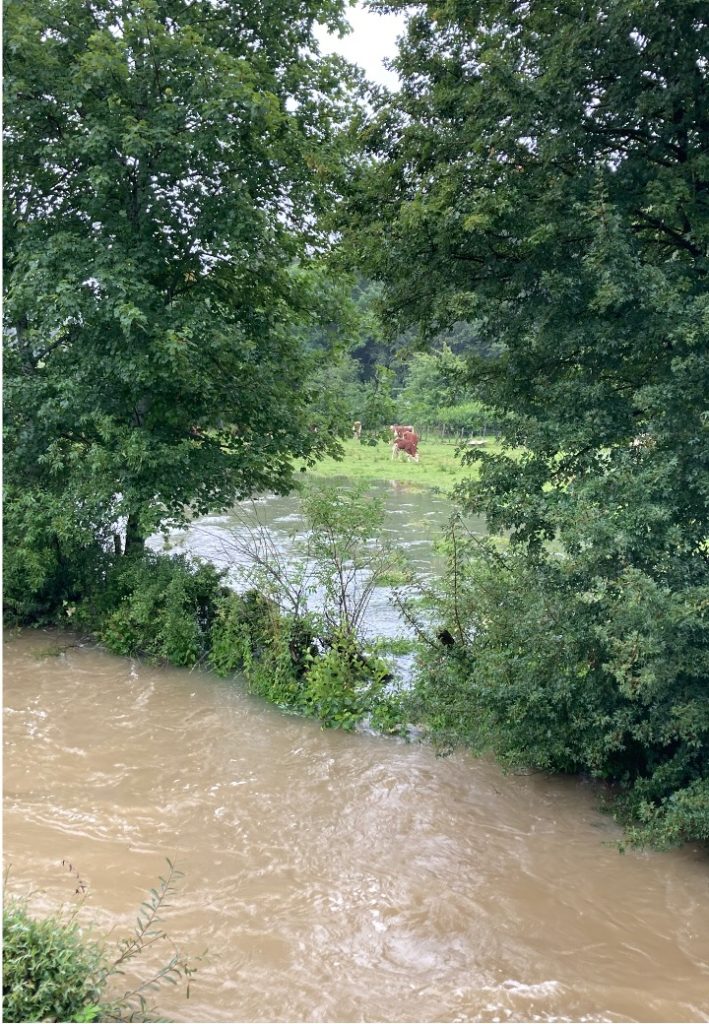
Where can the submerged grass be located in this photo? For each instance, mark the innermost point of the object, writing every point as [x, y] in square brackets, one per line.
[439, 467]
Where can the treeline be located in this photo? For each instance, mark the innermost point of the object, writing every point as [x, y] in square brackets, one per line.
[423, 393]
[379, 379]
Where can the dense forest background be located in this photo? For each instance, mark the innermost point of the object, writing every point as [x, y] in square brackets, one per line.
[380, 379]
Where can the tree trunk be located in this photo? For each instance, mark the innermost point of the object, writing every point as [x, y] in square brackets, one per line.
[135, 541]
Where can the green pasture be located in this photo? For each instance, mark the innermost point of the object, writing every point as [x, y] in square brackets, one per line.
[439, 466]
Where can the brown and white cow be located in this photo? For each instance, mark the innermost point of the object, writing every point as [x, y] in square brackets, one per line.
[398, 430]
[407, 443]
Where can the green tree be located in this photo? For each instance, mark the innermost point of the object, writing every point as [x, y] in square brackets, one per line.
[436, 394]
[167, 166]
[426, 389]
[544, 172]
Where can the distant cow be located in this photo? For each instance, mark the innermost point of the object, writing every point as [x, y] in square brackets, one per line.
[357, 430]
[406, 443]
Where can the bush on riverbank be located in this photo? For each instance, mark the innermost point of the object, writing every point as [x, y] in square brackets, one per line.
[296, 634]
[292, 662]
[160, 607]
[563, 671]
[53, 971]
[177, 609]
[50, 972]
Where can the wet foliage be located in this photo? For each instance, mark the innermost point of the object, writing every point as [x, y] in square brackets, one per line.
[554, 671]
[49, 971]
[55, 970]
[289, 661]
[542, 171]
[178, 610]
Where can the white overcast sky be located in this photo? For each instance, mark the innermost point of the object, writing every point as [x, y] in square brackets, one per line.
[373, 38]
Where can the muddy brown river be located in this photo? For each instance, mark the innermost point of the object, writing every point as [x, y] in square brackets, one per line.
[334, 877]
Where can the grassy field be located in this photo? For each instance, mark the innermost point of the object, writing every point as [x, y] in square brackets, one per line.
[439, 466]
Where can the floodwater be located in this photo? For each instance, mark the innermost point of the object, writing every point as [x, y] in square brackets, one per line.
[329, 876]
[413, 520]
[334, 877]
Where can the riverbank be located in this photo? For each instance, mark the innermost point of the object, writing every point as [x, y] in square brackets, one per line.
[181, 609]
[313, 657]
[439, 467]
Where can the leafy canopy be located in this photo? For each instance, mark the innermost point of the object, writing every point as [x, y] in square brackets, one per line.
[544, 173]
[167, 164]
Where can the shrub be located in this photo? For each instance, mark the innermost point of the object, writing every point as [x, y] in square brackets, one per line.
[564, 671]
[277, 670]
[160, 606]
[52, 972]
[49, 971]
[306, 661]
[243, 625]
[274, 650]
[342, 686]
[286, 661]
[334, 682]
[349, 554]
[681, 816]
